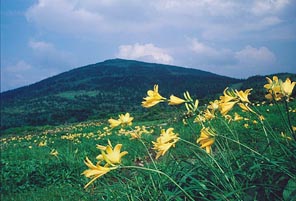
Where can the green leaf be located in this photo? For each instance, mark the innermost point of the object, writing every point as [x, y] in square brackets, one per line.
[290, 191]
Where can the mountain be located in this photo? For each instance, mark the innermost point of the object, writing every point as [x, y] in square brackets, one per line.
[102, 89]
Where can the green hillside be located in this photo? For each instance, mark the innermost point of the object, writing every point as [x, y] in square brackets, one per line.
[96, 90]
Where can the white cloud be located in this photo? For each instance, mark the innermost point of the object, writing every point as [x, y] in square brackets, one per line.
[41, 45]
[63, 16]
[261, 24]
[262, 7]
[202, 49]
[207, 54]
[46, 55]
[16, 75]
[207, 18]
[146, 52]
[255, 57]
[241, 63]
[20, 66]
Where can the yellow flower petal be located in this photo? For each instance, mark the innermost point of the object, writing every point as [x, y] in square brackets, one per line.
[174, 100]
[153, 98]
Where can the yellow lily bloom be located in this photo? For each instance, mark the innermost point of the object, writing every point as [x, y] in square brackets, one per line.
[126, 119]
[199, 119]
[54, 152]
[243, 96]
[174, 100]
[228, 96]
[214, 105]
[94, 171]
[206, 139]
[246, 108]
[114, 123]
[153, 98]
[274, 88]
[287, 87]
[166, 140]
[225, 107]
[110, 155]
[271, 83]
[209, 115]
[42, 144]
[237, 117]
[228, 117]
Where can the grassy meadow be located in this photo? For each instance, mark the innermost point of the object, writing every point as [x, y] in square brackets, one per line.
[230, 149]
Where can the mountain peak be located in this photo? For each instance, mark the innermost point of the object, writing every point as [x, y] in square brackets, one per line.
[111, 86]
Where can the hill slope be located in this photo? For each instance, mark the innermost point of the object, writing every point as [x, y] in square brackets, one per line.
[99, 89]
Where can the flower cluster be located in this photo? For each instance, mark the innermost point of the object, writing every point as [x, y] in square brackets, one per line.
[277, 89]
[206, 139]
[165, 141]
[111, 157]
[231, 97]
[124, 120]
[136, 133]
[154, 98]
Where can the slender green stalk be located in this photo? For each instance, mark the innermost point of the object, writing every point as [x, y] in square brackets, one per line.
[289, 120]
[149, 154]
[264, 157]
[162, 173]
[265, 132]
[282, 115]
[213, 159]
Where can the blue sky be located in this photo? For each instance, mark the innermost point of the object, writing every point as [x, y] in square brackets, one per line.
[42, 38]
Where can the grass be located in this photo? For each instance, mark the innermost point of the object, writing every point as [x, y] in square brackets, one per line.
[249, 160]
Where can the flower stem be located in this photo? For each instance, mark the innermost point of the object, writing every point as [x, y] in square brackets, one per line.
[289, 120]
[162, 173]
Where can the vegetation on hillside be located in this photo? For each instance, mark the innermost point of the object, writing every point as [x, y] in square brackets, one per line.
[94, 91]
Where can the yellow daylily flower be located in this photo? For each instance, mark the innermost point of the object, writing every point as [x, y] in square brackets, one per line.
[206, 139]
[243, 96]
[165, 141]
[174, 100]
[95, 171]
[110, 155]
[237, 117]
[285, 136]
[287, 87]
[101, 147]
[153, 98]
[228, 117]
[271, 83]
[126, 119]
[114, 123]
[199, 119]
[274, 88]
[54, 152]
[42, 144]
[209, 115]
[228, 96]
[245, 107]
[225, 107]
[214, 105]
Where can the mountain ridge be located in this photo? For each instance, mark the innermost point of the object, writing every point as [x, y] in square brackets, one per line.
[102, 89]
